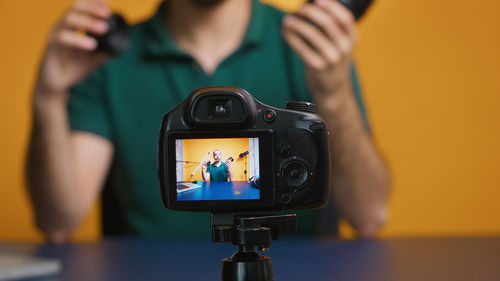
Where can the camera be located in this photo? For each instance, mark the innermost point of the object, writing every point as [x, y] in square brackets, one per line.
[264, 158]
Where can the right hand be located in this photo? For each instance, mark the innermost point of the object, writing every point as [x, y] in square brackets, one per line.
[68, 57]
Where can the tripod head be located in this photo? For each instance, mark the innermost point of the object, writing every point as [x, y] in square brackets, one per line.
[248, 231]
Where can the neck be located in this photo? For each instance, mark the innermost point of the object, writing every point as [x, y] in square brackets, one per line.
[209, 33]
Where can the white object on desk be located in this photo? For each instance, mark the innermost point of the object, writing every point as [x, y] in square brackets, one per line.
[14, 267]
[185, 186]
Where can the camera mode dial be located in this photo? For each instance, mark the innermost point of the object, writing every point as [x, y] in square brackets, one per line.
[302, 106]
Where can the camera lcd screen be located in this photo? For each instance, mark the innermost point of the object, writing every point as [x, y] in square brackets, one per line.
[212, 169]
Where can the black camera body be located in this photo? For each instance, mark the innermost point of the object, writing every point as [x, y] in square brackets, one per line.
[288, 153]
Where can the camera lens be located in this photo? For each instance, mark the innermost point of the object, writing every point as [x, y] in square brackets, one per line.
[116, 39]
[295, 173]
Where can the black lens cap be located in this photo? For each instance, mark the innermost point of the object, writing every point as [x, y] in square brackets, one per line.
[116, 39]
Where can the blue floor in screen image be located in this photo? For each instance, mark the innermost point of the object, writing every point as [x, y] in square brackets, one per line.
[235, 190]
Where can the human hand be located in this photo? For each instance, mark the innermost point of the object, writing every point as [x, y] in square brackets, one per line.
[323, 35]
[229, 161]
[68, 57]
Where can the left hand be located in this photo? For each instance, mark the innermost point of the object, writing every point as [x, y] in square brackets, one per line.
[323, 34]
[229, 162]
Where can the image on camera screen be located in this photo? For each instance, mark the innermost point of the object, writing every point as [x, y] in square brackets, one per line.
[217, 169]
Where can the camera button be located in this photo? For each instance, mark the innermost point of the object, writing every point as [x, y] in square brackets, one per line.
[295, 173]
[286, 198]
[284, 150]
[269, 115]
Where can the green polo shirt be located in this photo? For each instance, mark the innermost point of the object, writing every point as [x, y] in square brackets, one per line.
[125, 99]
[217, 173]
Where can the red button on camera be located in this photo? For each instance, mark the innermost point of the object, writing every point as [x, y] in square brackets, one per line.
[269, 115]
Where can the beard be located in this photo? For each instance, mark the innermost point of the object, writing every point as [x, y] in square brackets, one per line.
[207, 3]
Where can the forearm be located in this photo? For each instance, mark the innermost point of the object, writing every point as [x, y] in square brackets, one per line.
[205, 175]
[65, 170]
[51, 171]
[360, 178]
[323, 33]
[230, 175]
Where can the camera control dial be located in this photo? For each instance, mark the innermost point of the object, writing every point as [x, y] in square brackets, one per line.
[302, 106]
[295, 173]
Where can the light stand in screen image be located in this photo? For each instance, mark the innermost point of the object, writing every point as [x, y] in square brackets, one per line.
[245, 155]
[247, 232]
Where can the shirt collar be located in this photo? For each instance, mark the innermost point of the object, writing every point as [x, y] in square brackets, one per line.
[158, 41]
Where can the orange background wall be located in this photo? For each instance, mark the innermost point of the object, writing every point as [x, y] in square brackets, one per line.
[430, 74]
[195, 150]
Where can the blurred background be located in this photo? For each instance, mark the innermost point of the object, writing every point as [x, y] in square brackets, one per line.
[430, 73]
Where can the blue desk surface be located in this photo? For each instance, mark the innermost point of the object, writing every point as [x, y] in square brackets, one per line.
[219, 190]
[429, 259]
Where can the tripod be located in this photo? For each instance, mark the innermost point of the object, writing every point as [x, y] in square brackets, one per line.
[247, 231]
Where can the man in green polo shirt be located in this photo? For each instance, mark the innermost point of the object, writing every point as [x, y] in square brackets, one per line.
[96, 119]
[217, 171]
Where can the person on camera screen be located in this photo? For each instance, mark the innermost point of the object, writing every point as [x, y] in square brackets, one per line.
[217, 171]
[95, 117]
